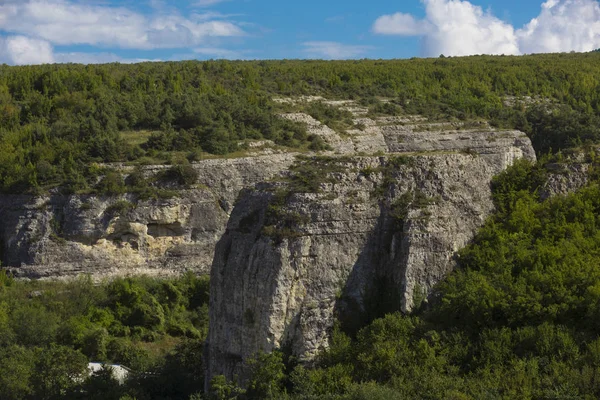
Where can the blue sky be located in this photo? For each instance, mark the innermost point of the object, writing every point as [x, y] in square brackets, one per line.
[87, 31]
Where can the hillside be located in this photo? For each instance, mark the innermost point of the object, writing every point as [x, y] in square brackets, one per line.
[396, 229]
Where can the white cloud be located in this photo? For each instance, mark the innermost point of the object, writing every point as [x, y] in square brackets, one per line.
[567, 25]
[457, 27]
[24, 50]
[333, 50]
[400, 24]
[21, 50]
[65, 22]
[453, 27]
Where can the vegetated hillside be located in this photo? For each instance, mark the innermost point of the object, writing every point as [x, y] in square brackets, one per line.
[516, 320]
[56, 120]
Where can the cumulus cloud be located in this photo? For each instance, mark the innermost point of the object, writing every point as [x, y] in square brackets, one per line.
[333, 50]
[457, 27]
[65, 22]
[24, 50]
[565, 25]
[400, 24]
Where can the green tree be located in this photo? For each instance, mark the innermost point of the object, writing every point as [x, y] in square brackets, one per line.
[57, 371]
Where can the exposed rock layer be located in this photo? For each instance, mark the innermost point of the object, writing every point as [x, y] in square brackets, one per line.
[377, 232]
[61, 236]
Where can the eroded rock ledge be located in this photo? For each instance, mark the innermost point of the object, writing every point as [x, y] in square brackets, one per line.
[59, 236]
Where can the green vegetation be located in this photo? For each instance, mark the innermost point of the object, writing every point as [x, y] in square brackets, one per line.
[517, 319]
[57, 120]
[335, 117]
[49, 331]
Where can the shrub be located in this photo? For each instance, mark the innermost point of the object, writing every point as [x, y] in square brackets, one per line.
[111, 184]
[121, 207]
[182, 174]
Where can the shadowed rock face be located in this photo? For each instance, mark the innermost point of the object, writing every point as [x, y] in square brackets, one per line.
[59, 236]
[377, 234]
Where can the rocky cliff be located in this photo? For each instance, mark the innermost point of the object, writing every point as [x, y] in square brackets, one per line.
[349, 237]
[60, 236]
[367, 227]
[64, 235]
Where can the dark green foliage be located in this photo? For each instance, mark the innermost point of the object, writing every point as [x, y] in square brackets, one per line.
[111, 184]
[179, 375]
[184, 175]
[266, 376]
[309, 173]
[384, 108]
[561, 127]
[222, 389]
[16, 370]
[57, 119]
[58, 370]
[317, 143]
[100, 386]
[121, 207]
[332, 116]
[49, 331]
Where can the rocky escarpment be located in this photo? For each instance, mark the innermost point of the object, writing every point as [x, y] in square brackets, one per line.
[348, 238]
[57, 236]
[65, 235]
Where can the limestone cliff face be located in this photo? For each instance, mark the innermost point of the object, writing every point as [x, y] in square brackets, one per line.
[57, 236]
[348, 238]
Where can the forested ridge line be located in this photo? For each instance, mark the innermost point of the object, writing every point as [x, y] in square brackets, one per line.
[57, 121]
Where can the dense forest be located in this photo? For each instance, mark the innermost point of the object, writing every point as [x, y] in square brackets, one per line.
[59, 123]
[517, 319]
[50, 330]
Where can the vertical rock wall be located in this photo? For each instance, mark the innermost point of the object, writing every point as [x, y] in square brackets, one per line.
[376, 234]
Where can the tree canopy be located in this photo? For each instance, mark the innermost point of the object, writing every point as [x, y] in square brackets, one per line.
[57, 120]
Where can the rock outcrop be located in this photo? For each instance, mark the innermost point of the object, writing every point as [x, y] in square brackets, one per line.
[348, 237]
[58, 236]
